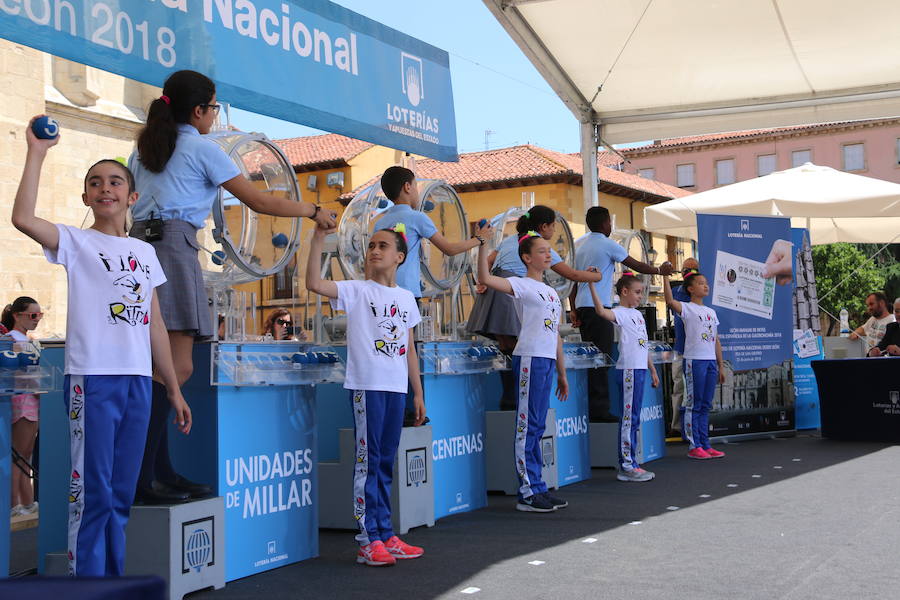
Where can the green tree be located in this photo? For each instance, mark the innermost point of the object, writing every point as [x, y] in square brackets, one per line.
[833, 263]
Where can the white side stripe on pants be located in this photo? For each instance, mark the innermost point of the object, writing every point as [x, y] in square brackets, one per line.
[687, 426]
[361, 468]
[76, 481]
[524, 383]
[628, 461]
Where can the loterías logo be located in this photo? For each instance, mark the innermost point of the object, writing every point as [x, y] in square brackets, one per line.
[412, 78]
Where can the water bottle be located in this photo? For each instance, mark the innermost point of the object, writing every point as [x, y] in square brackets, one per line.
[845, 323]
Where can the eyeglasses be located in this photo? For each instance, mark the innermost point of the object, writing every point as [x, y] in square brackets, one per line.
[282, 322]
[215, 107]
[33, 316]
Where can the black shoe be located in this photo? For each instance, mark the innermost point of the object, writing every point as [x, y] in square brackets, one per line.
[159, 494]
[535, 503]
[556, 502]
[194, 490]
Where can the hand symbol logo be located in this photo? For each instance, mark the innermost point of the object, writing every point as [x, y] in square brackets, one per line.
[412, 86]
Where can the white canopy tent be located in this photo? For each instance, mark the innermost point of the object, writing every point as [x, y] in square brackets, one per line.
[635, 70]
[836, 206]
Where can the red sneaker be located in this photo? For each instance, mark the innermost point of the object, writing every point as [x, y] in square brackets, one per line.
[401, 550]
[375, 554]
[713, 453]
[698, 454]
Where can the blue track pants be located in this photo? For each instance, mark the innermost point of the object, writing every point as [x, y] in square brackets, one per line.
[378, 422]
[700, 379]
[108, 416]
[631, 382]
[534, 380]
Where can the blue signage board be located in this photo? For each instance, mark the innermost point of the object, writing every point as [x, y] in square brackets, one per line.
[5, 476]
[573, 448]
[267, 475]
[755, 311]
[307, 61]
[806, 391]
[456, 406]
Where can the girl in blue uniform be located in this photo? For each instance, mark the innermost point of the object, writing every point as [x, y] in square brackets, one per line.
[114, 336]
[178, 174]
[702, 363]
[381, 363]
[631, 370]
[537, 354]
[494, 314]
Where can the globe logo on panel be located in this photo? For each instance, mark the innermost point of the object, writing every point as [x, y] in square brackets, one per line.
[547, 451]
[197, 545]
[416, 473]
[412, 78]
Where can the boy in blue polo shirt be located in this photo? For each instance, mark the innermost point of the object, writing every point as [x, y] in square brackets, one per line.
[597, 250]
[399, 185]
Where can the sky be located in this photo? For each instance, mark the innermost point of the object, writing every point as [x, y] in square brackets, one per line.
[495, 87]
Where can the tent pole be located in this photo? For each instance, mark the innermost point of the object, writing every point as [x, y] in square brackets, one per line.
[590, 137]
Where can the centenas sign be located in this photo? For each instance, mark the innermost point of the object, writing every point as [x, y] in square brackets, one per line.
[311, 61]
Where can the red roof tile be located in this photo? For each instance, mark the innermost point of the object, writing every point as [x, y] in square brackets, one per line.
[528, 163]
[739, 135]
[321, 149]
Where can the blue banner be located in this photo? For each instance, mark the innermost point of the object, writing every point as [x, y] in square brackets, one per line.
[737, 255]
[311, 62]
[573, 448]
[455, 405]
[806, 390]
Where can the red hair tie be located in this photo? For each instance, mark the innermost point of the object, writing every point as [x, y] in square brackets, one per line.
[165, 99]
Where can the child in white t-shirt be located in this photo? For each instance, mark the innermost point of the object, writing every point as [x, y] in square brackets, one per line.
[537, 354]
[702, 363]
[381, 366]
[631, 370]
[114, 335]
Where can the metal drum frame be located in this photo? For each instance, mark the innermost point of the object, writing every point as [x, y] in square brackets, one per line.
[237, 268]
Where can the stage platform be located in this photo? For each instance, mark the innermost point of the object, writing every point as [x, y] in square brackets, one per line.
[794, 518]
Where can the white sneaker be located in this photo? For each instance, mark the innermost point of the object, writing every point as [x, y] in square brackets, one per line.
[28, 509]
[633, 476]
[15, 511]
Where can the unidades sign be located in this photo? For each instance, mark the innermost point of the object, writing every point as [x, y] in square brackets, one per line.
[307, 61]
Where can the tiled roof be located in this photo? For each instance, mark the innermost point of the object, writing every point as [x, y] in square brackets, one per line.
[729, 136]
[532, 165]
[328, 151]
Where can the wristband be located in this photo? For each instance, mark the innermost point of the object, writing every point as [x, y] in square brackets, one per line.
[315, 212]
[480, 239]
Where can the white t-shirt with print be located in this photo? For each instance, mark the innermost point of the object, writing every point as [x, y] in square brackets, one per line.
[632, 338]
[700, 330]
[539, 309]
[875, 329]
[111, 281]
[378, 322]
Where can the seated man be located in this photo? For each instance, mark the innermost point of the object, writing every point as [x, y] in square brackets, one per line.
[890, 343]
[873, 329]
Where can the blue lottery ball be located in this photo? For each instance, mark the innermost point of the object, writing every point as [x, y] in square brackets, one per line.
[581, 350]
[482, 222]
[45, 128]
[332, 357]
[428, 206]
[218, 257]
[279, 240]
[29, 359]
[9, 360]
[382, 203]
[473, 352]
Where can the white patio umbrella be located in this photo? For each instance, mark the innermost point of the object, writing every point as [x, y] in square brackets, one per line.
[834, 205]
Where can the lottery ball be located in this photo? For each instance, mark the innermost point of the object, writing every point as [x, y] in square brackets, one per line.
[45, 128]
[279, 240]
[428, 206]
[482, 222]
[383, 203]
[9, 360]
[218, 257]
